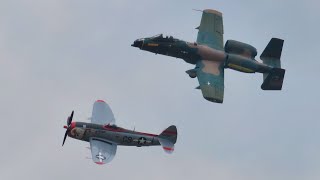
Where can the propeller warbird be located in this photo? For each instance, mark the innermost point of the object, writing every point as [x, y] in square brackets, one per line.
[104, 136]
[211, 57]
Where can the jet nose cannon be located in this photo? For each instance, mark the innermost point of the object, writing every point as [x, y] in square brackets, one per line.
[138, 43]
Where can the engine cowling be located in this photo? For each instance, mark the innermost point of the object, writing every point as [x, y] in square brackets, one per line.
[240, 48]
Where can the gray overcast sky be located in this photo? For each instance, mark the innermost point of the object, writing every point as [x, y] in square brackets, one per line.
[61, 55]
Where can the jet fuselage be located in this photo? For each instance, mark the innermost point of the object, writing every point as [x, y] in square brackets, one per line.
[193, 52]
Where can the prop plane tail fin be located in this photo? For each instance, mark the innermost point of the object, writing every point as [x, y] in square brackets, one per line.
[271, 55]
[168, 138]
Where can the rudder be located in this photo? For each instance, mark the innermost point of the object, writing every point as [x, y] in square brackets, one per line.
[274, 79]
[168, 138]
[272, 53]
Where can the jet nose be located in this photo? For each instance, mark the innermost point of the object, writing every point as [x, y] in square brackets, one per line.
[138, 43]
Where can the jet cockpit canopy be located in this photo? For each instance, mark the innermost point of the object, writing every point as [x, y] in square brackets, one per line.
[160, 37]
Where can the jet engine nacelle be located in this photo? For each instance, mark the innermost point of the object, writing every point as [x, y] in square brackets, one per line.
[240, 48]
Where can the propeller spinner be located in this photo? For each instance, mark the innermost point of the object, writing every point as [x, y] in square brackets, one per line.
[69, 121]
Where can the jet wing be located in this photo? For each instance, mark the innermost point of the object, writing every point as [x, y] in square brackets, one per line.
[102, 113]
[210, 75]
[211, 29]
[102, 151]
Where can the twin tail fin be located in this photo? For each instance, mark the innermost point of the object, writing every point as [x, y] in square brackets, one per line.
[271, 55]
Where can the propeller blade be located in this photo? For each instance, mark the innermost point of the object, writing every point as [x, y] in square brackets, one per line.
[65, 136]
[72, 115]
[69, 121]
[70, 118]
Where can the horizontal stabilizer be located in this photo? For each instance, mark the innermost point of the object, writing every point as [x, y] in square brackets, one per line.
[274, 79]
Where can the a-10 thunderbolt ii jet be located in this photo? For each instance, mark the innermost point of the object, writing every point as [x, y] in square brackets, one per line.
[211, 57]
[104, 136]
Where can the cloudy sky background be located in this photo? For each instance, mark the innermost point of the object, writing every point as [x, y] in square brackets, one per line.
[61, 55]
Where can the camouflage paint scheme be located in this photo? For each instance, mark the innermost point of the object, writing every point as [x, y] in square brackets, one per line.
[104, 137]
[211, 57]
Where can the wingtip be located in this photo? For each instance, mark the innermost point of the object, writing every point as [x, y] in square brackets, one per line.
[215, 100]
[168, 150]
[212, 11]
[100, 163]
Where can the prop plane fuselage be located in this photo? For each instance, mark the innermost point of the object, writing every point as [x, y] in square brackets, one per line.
[111, 133]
